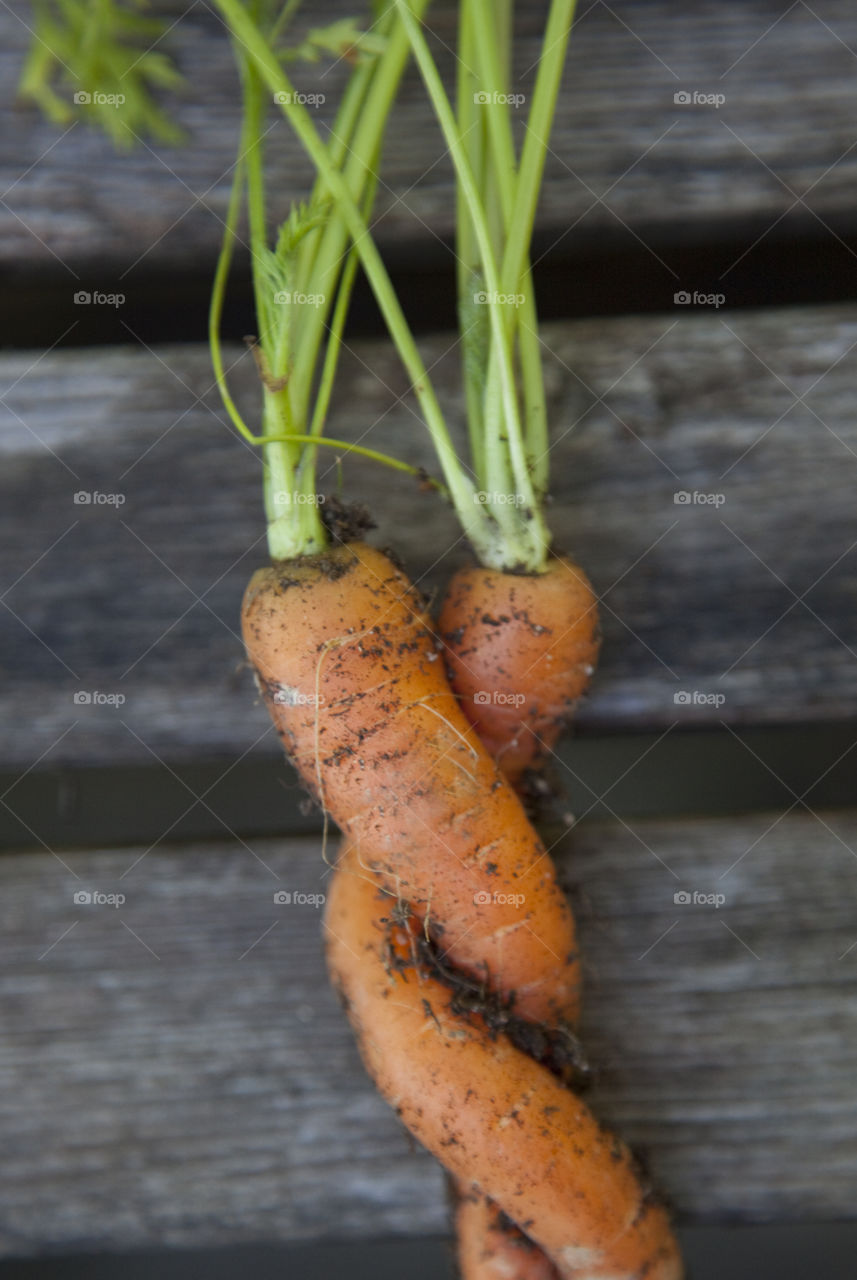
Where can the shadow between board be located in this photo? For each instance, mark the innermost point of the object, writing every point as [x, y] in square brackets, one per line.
[681, 774]
[776, 1252]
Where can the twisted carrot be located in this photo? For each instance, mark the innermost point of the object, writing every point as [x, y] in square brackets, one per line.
[442, 869]
[520, 650]
[488, 1111]
[353, 681]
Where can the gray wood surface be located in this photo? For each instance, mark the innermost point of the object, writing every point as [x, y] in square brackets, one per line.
[751, 602]
[624, 152]
[176, 1071]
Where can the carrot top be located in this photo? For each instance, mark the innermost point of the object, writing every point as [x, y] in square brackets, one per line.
[304, 268]
[498, 490]
[302, 284]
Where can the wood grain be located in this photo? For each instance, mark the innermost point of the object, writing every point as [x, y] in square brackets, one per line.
[750, 602]
[176, 1072]
[628, 162]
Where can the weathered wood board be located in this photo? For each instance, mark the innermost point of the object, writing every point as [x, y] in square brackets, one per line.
[744, 603]
[176, 1071]
[625, 153]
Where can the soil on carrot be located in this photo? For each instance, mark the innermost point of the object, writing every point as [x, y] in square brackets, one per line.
[504, 1223]
[345, 521]
[557, 1048]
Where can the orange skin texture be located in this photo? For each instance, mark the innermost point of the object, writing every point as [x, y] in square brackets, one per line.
[520, 650]
[496, 1119]
[349, 671]
[492, 1249]
[348, 667]
[531, 644]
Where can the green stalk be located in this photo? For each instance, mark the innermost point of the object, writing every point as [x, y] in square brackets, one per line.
[471, 319]
[477, 523]
[526, 534]
[333, 348]
[492, 51]
[542, 110]
[218, 294]
[357, 134]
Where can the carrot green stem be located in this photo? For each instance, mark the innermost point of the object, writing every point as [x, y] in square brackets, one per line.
[478, 523]
[501, 512]
[506, 464]
[491, 51]
[312, 255]
[471, 319]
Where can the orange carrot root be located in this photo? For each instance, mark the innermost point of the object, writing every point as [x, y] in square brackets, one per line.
[491, 1114]
[491, 1247]
[354, 683]
[521, 650]
[442, 869]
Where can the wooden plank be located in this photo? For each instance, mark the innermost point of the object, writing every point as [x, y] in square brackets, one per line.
[624, 152]
[176, 1071]
[750, 602]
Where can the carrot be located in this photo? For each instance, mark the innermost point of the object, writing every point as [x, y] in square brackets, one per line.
[340, 645]
[490, 1246]
[348, 668]
[487, 1110]
[520, 650]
